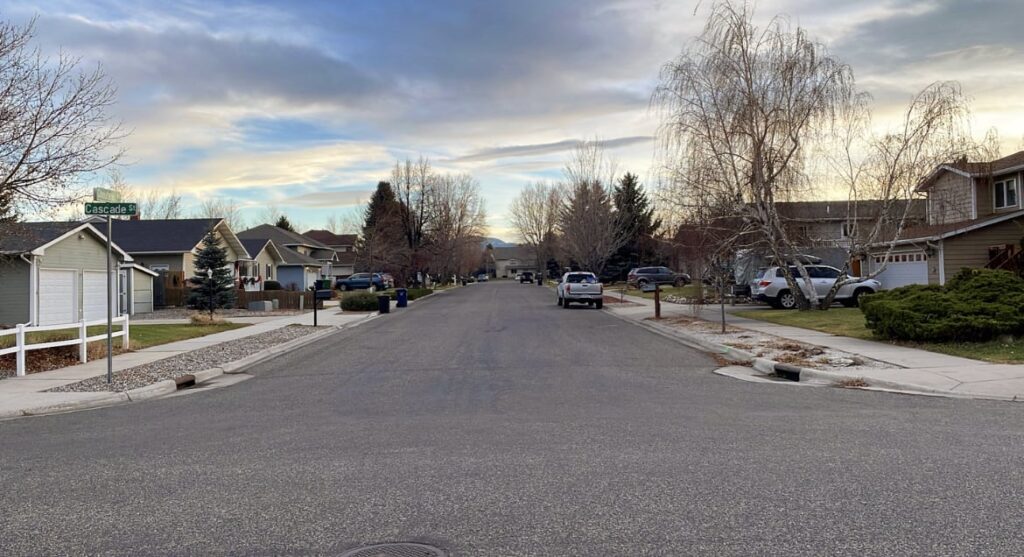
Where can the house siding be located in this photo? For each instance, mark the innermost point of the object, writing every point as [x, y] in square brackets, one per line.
[292, 277]
[87, 253]
[971, 249]
[263, 259]
[172, 260]
[15, 278]
[950, 199]
[142, 292]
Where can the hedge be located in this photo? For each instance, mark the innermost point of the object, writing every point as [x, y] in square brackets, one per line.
[974, 306]
[359, 301]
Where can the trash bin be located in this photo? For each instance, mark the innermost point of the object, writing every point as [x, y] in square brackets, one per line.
[540, 280]
[402, 295]
[384, 304]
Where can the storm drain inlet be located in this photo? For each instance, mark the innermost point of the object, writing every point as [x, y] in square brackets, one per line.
[401, 549]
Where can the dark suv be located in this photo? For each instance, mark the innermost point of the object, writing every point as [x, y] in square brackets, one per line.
[525, 277]
[656, 275]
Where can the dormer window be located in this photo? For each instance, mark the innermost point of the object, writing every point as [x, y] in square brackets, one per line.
[1006, 193]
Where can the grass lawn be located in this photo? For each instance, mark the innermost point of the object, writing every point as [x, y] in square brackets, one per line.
[688, 291]
[850, 322]
[144, 336]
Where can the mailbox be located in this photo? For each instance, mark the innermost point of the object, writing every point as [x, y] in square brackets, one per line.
[323, 294]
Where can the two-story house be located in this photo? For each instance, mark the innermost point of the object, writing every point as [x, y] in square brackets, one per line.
[344, 246]
[975, 219]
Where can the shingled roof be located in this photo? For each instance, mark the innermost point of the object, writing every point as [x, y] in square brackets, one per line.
[968, 169]
[161, 235]
[331, 239]
[23, 237]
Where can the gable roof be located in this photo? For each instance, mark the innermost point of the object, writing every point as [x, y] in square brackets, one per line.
[839, 210]
[280, 236]
[35, 237]
[161, 235]
[1009, 163]
[522, 253]
[934, 232]
[255, 246]
[331, 239]
[292, 257]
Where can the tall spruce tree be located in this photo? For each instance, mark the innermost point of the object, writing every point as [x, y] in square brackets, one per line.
[635, 218]
[213, 286]
[381, 242]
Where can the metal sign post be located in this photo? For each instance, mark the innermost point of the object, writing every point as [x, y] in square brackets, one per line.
[108, 207]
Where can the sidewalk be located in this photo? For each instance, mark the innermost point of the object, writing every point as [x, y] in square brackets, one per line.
[22, 393]
[918, 371]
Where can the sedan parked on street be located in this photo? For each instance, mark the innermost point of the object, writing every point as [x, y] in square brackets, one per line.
[643, 276]
[773, 289]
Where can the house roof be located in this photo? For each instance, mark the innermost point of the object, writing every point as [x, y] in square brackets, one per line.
[286, 255]
[280, 236]
[331, 239]
[840, 210]
[161, 235]
[934, 232]
[35, 237]
[522, 253]
[257, 245]
[963, 167]
[291, 257]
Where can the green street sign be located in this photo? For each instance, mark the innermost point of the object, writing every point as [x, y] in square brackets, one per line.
[112, 209]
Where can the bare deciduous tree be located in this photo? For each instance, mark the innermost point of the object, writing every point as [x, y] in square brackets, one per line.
[589, 231]
[534, 214]
[54, 124]
[457, 221]
[414, 183]
[227, 209]
[747, 102]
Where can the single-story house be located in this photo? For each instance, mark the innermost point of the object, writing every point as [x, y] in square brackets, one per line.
[170, 245]
[509, 261]
[975, 219]
[304, 260]
[266, 258]
[56, 272]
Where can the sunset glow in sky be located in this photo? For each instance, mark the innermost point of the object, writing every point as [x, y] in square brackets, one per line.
[306, 105]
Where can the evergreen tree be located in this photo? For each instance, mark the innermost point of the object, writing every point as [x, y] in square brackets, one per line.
[213, 285]
[636, 220]
[381, 207]
[284, 223]
[381, 244]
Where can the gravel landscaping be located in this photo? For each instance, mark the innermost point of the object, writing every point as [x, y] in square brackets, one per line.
[774, 348]
[189, 362]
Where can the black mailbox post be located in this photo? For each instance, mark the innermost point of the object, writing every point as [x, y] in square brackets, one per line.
[318, 297]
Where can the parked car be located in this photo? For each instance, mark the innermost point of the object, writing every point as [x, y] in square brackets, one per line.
[360, 281]
[580, 287]
[482, 277]
[525, 277]
[656, 275]
[772, 287]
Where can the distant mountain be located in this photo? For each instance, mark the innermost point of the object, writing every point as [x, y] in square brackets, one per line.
[496, 242]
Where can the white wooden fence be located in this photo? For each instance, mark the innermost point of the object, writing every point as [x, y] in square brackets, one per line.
[82, 339]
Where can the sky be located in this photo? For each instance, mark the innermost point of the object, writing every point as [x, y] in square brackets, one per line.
[305, 106]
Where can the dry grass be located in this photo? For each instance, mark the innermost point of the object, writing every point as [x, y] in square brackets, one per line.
[205, 319]
[857, 383]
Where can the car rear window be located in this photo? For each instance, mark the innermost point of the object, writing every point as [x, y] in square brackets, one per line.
[581, 278]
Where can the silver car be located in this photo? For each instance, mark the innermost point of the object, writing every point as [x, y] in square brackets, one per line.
[771, 286]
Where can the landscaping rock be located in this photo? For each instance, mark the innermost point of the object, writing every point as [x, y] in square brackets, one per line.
[261, 306]
[841, 362]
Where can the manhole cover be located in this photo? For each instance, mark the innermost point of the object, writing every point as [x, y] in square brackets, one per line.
[395, 550]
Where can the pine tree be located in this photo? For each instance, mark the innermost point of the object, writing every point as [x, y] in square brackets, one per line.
[635, 218]
[213, 285]
[381, 245]
[284, 223]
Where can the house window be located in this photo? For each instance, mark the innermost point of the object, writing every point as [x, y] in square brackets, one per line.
[270, 274]
[849, 229]
[1006, 193]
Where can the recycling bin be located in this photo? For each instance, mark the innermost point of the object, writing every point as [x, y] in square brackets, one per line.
[402, 295]
[384, 304]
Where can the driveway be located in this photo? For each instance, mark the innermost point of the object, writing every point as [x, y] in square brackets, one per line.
[489, 421]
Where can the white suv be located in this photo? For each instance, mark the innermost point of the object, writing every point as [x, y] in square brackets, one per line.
[771, 287]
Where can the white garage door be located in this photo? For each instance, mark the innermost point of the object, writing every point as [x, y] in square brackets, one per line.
[94, 302]
[58, 303]
[904, 269]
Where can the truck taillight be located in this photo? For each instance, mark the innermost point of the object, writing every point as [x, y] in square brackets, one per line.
[568, 288]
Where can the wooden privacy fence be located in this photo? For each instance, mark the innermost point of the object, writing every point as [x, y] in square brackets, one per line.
[287, 299]
[82, 338]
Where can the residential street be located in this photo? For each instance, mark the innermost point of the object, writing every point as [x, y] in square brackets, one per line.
[489, 421]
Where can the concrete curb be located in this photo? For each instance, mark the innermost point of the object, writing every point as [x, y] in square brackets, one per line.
[803, 374]
[169, 386]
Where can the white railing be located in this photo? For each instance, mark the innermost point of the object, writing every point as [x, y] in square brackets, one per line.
[21, 346]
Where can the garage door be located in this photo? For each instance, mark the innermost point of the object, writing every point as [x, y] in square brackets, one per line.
[94, 287]
[903, 269]
[58, 303]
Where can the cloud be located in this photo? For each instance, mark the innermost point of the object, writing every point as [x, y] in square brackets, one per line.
[544, 148]
[330, 199]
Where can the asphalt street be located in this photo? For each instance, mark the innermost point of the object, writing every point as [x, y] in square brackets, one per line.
[489, 421]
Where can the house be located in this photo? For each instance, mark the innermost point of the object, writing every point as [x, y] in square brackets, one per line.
[170, 246]
[509, 261]
[824, 224]
[266, 258]
[344, 246]
[303, 260]
[56, 272]
[974, 219]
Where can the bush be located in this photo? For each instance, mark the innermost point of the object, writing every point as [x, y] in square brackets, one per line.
[976, 305]
[272, 285]
[413, 293]
[359, 301]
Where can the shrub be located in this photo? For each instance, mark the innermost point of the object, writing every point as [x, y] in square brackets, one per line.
[359, 301]
[413, 293]
[975, 305]
[272, 285]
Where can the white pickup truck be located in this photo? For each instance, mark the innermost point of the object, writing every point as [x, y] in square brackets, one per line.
[580, 287]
